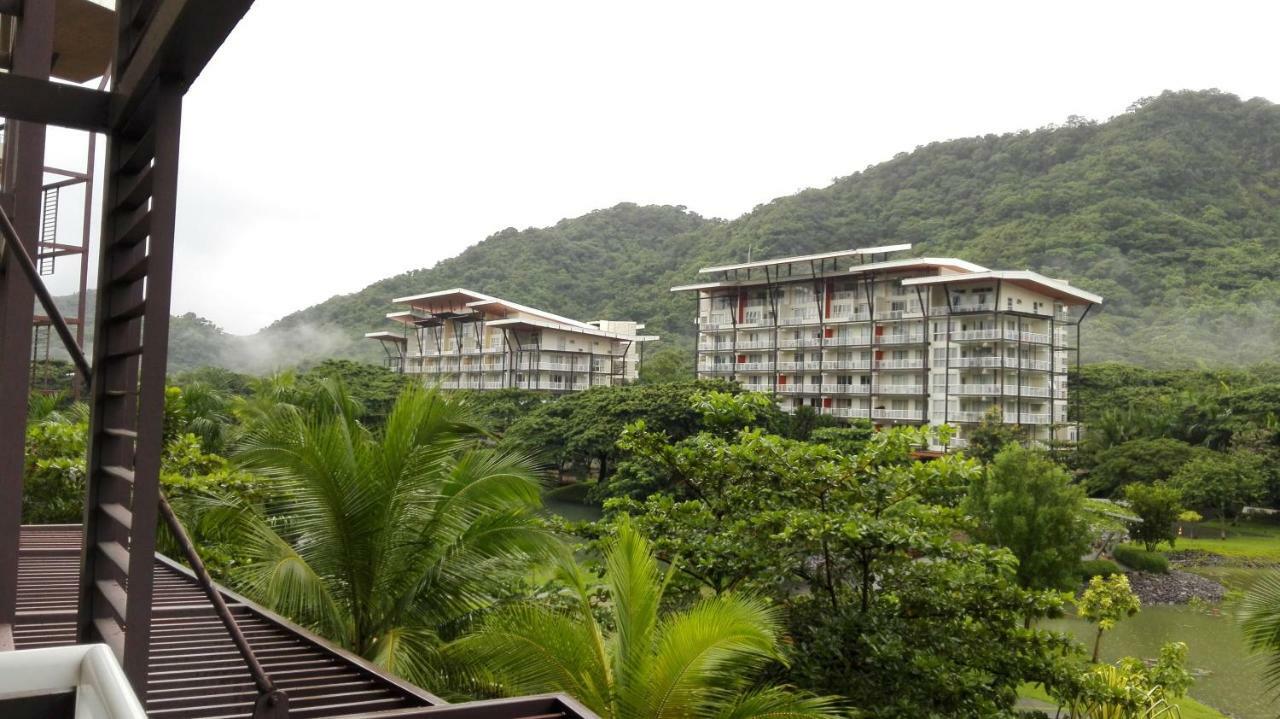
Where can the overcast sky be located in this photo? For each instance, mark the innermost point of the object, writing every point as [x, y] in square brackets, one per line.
[330, 145]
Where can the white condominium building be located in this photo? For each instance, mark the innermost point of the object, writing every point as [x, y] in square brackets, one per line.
[857, 334]
[462, 339]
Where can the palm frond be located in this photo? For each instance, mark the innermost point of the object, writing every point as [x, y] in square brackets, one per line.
[714, 644]
[635, 589]
[1259, 616]
[779, 703]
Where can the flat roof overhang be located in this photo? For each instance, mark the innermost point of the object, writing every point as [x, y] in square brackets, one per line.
[521, 323]
[386, 337]
[807, 258]
[955, 264]
[1057, 289]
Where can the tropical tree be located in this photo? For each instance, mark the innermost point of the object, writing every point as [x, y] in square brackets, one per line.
[1260, 618]
[384, 543]
[1158, 507]
[637, 662]
[1106, 602]
[1223, 481]
[1028, 503]
[992, 435]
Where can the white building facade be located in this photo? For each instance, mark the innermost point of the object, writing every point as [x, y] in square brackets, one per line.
[926, 340]
[462, 339]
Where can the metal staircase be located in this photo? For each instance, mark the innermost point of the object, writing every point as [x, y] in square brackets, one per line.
[47, 251]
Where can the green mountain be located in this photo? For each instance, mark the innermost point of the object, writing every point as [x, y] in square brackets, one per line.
[1171, 211]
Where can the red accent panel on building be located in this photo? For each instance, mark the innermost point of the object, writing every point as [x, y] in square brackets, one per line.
[742, 358]
[742, 305]
[826, 401]
[829, 332]
[782, 379]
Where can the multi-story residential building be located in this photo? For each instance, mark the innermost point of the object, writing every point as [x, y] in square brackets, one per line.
[462, 339]
[918, 340]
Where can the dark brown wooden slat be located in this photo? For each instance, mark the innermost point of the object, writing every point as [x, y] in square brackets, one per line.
[117, 511]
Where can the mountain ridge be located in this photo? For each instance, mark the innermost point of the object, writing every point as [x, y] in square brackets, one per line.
[1170, 211]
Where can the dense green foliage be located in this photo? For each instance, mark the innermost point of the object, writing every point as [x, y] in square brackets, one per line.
[1027, 503]
[1143, 560]
[638, 661]
[388, 541]
[886, 603]
[1158, 507]
[1097, 568]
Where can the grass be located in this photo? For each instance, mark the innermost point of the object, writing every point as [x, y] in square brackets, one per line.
[1191, 709]
[1248, 540]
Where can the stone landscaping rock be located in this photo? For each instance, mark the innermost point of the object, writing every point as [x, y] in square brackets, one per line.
[1174, 588]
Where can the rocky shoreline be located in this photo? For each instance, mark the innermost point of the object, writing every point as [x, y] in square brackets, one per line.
[1175, 587]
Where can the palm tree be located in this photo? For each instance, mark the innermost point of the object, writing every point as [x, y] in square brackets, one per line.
[1260, 618]
[382, 543]
[695, 663]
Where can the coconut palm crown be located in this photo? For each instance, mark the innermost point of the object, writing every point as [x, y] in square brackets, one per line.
[696, 663]
[382, 542]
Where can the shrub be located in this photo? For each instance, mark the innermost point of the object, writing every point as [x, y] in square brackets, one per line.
[1098, 568]
[1141, 560]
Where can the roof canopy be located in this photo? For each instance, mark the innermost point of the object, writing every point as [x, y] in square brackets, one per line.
[1057, 289]
[806, 258]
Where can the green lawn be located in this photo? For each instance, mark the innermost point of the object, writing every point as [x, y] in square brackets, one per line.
[1191, 709]
[1247, 540]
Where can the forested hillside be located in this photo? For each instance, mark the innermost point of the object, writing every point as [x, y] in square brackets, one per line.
[1171, 211]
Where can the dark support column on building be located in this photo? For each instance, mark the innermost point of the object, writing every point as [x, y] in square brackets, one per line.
[773, 308]
[22, 189]
[1019, 370]
[928, 348]
[946, 392]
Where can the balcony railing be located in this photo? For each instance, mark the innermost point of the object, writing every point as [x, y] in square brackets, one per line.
[802, 342]
[846, 388]
[862, 316]
[756, 345]
[897, 339]
[715, 321]
[813, 320]
[846, 364]
[755, 366]
[799, 366]
[848, 341]
[721, 367]
[910, 415]
[898, 389]
[850, 412]
[971, 417]
[900, 364]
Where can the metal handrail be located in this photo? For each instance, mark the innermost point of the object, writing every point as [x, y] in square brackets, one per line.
[19, 251]
[272, 703]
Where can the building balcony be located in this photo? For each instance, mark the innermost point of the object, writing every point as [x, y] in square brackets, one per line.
[905, 415]
[754, 366]
[847, 412]
[900, 339]
[847, 341]
[910, 313]
[756, 345]
[802, 342]
[971, 417]
[846, 364]
[849, 317]
[714, 321]
[723, 367]
[846, 389]
[799, 366]
[493, 385]
[898, 389]
[900, 364]
[715, 347]
[989, 335]
[792, 321]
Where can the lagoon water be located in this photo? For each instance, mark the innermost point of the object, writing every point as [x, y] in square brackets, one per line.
[1227, 677]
